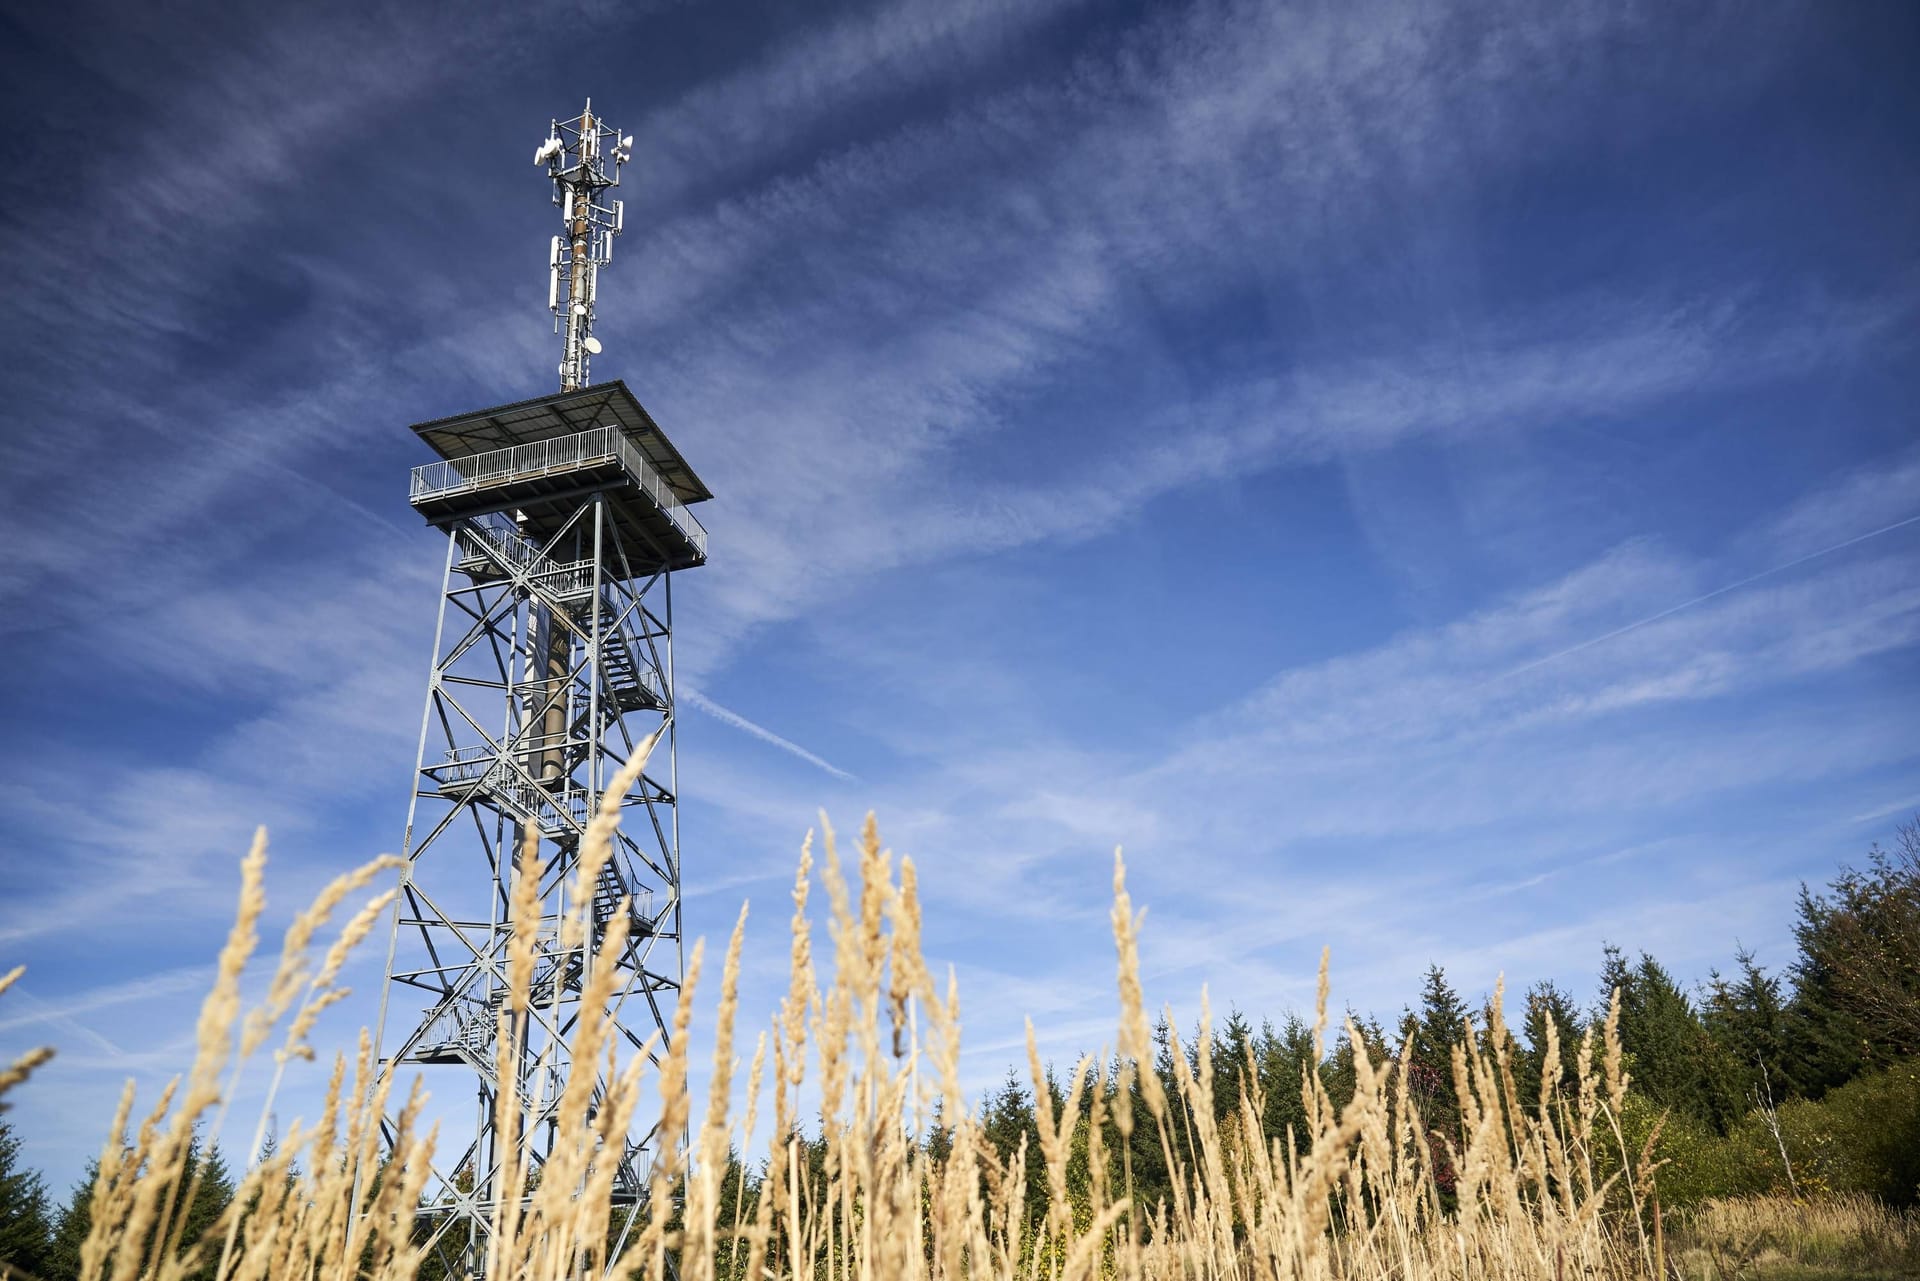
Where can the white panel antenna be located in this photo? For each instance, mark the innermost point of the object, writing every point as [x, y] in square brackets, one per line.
[573, 154]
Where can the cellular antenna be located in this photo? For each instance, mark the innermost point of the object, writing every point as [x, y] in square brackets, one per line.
[583, 157]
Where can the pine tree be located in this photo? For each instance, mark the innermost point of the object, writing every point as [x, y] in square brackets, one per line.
[1746, 1020]
[1005, 1121]
[1436, 1029]
[211, 1198]
[1439, 1025]
[1284, 1057]
[939, 1133]
[1857, 980]
[1232, 1050]
[1667, 1045]
[1615, 976]
[1152, 1181]
[26, 1229]
[1547, 1006]
[1337, 1072]
[71, 1227]
[1006, 1116]
[739, 1196]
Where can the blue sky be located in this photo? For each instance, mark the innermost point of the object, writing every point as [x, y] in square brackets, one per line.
[1427, 480]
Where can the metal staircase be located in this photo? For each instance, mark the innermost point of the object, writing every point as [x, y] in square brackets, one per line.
[607, 896]
[630, 688]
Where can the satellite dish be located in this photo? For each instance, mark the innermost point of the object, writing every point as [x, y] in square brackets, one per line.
[592, 345]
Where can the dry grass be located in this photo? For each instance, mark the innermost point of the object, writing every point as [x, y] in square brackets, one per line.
[1766, 1237]
[1544, 1188]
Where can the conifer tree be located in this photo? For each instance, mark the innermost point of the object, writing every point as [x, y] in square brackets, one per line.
[1284, 1054]
[1434, 1031]
[26, 1228]
[1615, 976]
[210, 1200]
[1746, 1021]
[212, 1195]
[1439, 1025]
[71, 1227]
[1667, 1045]
[1547, 1005]
[1232, 1049]
[1007, 1119]
[1857, 980]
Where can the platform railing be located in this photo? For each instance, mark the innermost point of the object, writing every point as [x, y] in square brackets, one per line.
[549, 457]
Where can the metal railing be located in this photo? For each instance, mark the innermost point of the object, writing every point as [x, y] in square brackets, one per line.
[549, 457]
[484, 547]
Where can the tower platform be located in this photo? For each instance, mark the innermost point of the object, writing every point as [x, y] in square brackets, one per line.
[534, 456]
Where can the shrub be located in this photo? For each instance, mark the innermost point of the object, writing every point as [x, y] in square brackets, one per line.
[1862, 1138]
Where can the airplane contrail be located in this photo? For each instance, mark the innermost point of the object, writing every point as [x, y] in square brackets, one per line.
[728, 717]
[1701, 599]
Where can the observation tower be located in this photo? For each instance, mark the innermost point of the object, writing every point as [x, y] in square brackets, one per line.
[566, 518]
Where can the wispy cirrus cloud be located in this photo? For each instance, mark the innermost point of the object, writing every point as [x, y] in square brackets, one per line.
[1532, 790]
[147, 987]
[962, 308]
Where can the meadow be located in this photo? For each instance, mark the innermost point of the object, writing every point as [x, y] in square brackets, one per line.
[893, 1171]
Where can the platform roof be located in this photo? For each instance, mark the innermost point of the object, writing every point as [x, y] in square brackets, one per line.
[561, 414]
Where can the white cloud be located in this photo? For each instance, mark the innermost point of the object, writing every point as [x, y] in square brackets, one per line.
[1904, 808]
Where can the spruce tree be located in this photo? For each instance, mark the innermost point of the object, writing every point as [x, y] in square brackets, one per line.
[71, 1227]
[1232, 1049]
[1435, 1030]
[1005, 1121]
[206, 1171]
[1285, 1056]
[1547, 1006]
[211, 1197]
[1152, 1181]
[1857, 980]
[1746, 1020]
[26, 1227]
[1439, 1025]
[1615, 976]
[1667, 1046]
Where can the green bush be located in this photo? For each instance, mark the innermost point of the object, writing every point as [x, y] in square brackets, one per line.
[1862, 1137]
[1701, 1164]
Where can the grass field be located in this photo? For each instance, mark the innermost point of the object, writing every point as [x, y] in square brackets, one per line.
[1540, 1187]
[1789, 1239]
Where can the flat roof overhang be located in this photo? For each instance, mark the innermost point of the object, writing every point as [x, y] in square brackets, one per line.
[560, 414]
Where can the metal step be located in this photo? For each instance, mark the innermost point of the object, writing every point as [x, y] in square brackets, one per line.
[608, 892]
[631, 689]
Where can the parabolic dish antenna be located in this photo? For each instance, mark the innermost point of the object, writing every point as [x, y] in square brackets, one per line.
[592, 345]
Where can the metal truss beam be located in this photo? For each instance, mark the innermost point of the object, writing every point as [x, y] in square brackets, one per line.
[552, 660]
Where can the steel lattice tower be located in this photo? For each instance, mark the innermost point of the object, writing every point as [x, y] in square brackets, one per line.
[566, 517]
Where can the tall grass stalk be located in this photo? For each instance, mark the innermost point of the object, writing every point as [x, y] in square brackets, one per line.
[1543, 1186]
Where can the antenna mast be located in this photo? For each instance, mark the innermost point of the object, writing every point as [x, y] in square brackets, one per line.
[583, 157]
